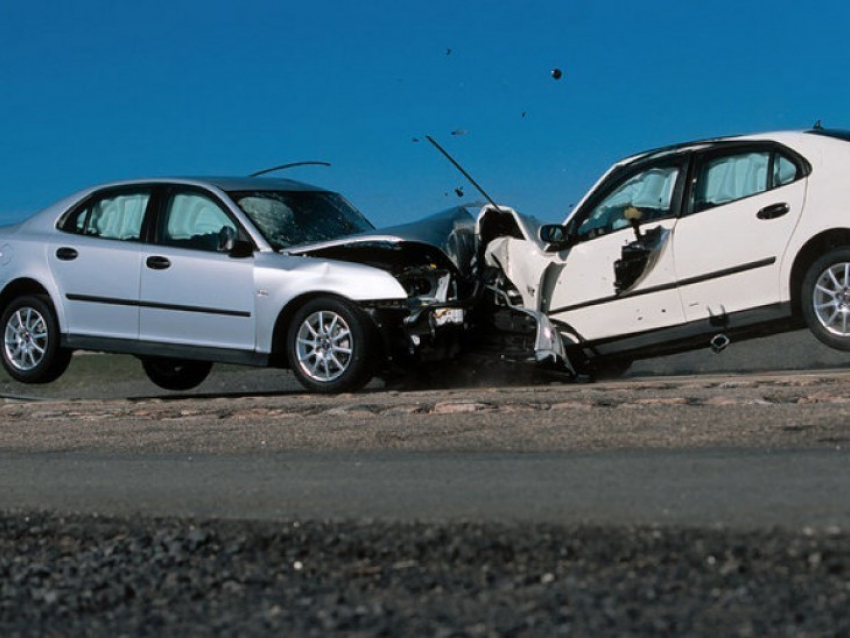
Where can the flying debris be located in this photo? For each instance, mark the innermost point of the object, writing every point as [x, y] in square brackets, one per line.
[415, 139]
[459, 191]
[557, 73]
[448, 51]
[460, 131]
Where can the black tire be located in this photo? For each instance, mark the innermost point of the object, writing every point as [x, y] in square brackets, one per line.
[31, 352]
[825, 298]
[332, 346]
[176, 374]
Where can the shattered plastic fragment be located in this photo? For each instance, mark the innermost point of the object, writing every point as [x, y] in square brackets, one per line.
[460, 131]
[459, 191]
[557, 73]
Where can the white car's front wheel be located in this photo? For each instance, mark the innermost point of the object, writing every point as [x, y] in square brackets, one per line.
[826, 298]
[331, 346]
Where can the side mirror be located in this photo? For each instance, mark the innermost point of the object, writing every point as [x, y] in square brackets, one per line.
[555, 235]
[229, 242]
[241, 249]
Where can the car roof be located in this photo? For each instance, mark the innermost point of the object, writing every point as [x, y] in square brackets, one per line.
[778, 136]
[223, 183]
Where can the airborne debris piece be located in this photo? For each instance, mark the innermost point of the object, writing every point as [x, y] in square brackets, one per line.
[557, 73]
[460, 131]
[459, 191]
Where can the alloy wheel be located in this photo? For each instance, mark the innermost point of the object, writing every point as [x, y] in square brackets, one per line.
[831, 299]
[26, 339]
[325, 346]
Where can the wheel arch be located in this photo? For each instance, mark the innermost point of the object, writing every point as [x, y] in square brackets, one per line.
[812, 250]
[25, 286]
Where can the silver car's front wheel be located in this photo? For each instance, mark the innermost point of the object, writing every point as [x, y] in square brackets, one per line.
[825, 298]
[31, 351]
[325, 346]
[331, 346]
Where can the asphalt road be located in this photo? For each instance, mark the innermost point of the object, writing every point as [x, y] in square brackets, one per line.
[792, 489]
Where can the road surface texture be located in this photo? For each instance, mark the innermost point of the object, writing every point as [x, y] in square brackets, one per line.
[699, 496]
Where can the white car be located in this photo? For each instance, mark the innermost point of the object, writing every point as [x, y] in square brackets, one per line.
[679, 248]
[256, 271]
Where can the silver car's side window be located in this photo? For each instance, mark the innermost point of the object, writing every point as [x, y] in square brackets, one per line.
[192, 220]
[113, 217]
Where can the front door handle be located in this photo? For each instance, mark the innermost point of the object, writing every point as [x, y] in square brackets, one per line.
[157, 263]
[773, 211]
[66, 254]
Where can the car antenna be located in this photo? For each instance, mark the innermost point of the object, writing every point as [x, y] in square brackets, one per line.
[463, 172]
[285, 166]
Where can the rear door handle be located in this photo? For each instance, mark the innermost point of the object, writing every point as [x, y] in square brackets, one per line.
[66, 254]
[773, 211]
[158, 263]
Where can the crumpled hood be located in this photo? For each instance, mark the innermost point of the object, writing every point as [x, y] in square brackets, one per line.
[451, 232]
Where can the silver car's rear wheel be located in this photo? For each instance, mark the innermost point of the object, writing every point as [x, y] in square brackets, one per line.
[331, 346]
[26, 339]
[31, 352]
[825, 298]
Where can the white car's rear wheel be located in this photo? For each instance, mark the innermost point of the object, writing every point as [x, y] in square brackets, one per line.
[31, 352]
[331, 346]
[826, 298]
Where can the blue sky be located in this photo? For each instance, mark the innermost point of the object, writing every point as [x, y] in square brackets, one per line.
[95, 90]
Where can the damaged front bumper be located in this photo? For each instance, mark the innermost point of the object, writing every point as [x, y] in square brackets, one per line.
[433, 332]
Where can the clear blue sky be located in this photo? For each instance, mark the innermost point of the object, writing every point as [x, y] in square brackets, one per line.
[95, 90]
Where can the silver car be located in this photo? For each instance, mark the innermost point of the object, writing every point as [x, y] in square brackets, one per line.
[256, 271]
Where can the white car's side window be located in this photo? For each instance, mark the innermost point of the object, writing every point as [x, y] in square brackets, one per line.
[731, 177]
[650, 190]
[193, 220]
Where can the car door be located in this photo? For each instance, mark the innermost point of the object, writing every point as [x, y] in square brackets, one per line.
[96, 263]
[193, 293]
[590, 291]
[744, 203]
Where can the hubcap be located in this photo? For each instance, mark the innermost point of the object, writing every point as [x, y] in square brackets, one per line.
[25, 339]
[324, 346]
[831, 299]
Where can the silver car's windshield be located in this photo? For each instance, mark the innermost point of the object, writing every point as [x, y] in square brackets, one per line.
[289, 218]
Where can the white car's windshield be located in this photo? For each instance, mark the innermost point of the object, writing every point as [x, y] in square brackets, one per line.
[289, 218]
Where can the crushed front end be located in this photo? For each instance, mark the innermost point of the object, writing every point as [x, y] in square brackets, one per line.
[434, 261]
